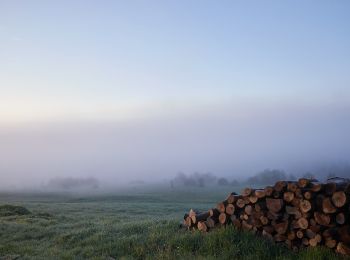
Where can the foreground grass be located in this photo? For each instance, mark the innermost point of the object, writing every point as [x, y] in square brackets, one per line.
[127, 226]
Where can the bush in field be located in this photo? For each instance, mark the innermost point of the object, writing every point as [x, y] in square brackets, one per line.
[73, 183]
[195, 179]
[223, 182]
[11, 210]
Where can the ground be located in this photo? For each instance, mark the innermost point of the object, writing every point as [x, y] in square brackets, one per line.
[139, 223]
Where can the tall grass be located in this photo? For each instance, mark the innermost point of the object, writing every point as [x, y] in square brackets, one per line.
[144, 225]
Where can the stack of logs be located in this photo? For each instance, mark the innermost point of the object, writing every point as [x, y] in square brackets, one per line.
[298, 213]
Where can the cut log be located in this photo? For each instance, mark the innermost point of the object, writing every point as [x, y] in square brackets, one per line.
[281, 228]
[340, 218]
[268, 191]
[303, 223]
[305, 206]
[343, 249]
[315, 186]
[300, 234]
[200, 217]
[280, 186]
[264, 220]
[221, 206]
[240, 203]
[288, 196]
[339, 199]
[246, 192]
[292, 186]
[246, 225]
[327, 206]
[202, 226]
[210, 222]
[222, 218]
[214, 213]
[232, 197]
[274, 205]
[322, 219]
[303, 182]
[260, 194]
[230, 209]
[331, 243]
[248, 210]
[291, 235]
[308, 195]
[253, 199]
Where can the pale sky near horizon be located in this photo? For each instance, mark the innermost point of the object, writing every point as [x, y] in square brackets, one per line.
[140, 62]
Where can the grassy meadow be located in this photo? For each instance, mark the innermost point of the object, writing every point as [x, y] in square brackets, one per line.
[129, 224]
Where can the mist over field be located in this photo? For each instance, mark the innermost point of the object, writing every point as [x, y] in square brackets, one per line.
[226, 140]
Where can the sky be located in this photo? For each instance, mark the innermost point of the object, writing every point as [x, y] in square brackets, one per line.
[140, 89]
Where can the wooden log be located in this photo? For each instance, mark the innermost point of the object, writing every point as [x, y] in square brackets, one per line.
[214, 213]
[202, 226]
[246, 225]
[340, 218]
[232, 198]
[248, 210]
[260, 193]
[300, 234]
[222, 218]
[342, 248]
[315, 228]
[322, 219]
[264, 220]
[344, 234]
[274, 205]
[288, 196]
[188, 222]
[308, 195]
[316, 186]
[200, 217]
[269, 229]
[236, 222]
[230, 209]
[330, 243]
[221, 206]
[291, 235]
[303, 223]
[303, 182]
[253, 199]
[327, 206]
[305, 206]
[246, 192]
[268, 191]
[339, 199]
[240, 203]
[280, 186]
[305, 241]
[281, 228]
[292, 186]
[309, 233]
[211, 222]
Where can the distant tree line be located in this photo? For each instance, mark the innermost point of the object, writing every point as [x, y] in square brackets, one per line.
[265, 177]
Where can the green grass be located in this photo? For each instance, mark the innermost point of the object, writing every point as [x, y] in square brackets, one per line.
[127, 225]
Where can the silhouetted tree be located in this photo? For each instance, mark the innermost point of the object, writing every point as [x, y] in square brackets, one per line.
[222, 182]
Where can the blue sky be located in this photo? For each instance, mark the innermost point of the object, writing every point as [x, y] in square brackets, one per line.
[149, 88]
[91, 58]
